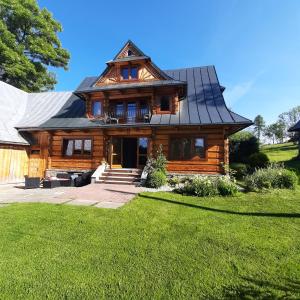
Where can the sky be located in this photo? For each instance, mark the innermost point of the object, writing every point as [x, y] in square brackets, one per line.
[254, 44]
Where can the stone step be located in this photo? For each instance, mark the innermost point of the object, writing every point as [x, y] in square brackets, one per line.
[115, 182]
[136, 175]
[119, 178]
[124, 170]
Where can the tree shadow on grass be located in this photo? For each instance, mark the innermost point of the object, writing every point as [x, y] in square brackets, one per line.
[256, 214]
[260, 289]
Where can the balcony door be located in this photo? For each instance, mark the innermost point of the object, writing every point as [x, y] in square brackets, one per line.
[131, 112]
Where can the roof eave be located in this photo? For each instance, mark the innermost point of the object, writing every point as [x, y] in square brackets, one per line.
[14, 143]
[125, 86]
[241, 125]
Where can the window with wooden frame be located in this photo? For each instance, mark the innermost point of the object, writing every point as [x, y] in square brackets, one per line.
[35, 152]
[129, 73]
[97, 108]
[76, 147]
[185, 148]
[164, 104]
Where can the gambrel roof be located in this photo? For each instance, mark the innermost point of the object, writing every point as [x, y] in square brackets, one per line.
[203, 105]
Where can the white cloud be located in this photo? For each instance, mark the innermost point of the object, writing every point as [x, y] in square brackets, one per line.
[234, 94]
[237, 92]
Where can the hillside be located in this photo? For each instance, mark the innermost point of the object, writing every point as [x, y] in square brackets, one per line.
[285, 153]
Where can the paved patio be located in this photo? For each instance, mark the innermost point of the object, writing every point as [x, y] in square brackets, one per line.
[97, 195]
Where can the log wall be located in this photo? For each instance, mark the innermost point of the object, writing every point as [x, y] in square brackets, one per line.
[17, 161]
[58, 161]
[51, 156]
[216, 153]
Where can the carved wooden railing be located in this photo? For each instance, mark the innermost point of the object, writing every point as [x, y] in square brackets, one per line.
[130, 116]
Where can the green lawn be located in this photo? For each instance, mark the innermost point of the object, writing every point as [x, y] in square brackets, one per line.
[283, 153]
[159, 246]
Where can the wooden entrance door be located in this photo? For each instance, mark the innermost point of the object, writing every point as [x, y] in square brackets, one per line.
[115, 154]
[128, 152]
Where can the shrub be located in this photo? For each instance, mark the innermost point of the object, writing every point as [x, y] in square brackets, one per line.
[156, 179]
[203, 186]
[258, 160]
[240, 170]
[274, 176]
[158, 162]
[286, 180]
[226, 187]
[174, 181]
[186, 179]
[242, 145]
[200, 186]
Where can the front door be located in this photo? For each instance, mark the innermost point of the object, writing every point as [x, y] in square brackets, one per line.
[115, 153]
[129, 153]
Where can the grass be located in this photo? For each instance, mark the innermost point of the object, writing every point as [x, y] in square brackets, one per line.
[159, 246]
[285, 153]
[281, 152]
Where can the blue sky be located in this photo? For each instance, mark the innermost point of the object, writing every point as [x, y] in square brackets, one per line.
[254, 44]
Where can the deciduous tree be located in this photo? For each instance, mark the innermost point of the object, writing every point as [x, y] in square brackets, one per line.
[29, 45]
[275, 131]
[289, 118]
[259, 125]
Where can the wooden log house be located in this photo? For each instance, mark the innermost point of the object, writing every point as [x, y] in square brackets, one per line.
[122, 116]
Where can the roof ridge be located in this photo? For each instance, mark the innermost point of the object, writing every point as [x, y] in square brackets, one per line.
[188, 68]
[50, 92]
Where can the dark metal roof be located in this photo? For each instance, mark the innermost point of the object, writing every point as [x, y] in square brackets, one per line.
[132, 85]
[203, 105]
[296, 127]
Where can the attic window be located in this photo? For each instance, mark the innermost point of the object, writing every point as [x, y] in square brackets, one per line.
[129, 73]
[129, 53]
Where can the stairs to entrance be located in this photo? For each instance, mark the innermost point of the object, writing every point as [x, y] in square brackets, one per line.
[120, 176]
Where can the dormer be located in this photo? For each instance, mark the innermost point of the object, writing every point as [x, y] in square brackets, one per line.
[132, 82]
[129, 65]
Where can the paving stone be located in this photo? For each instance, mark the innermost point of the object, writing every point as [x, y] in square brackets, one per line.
[113, 205]
[97, 195]
[82, 202]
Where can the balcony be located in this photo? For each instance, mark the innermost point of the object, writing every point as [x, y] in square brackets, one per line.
[129, 111]
[124, 117]
[122, 111]
[130, 115]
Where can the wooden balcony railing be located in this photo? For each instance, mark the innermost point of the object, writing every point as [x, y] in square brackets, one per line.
[130, 116]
